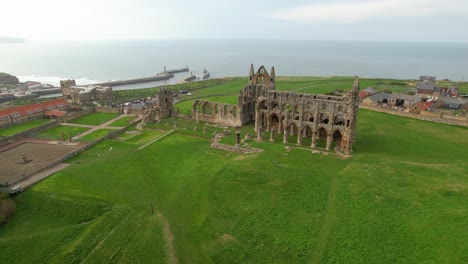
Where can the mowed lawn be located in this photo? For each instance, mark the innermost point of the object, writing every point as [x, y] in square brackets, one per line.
[124, 121]
[17, 128]
[401, 198]
[95, 135]
[57, 132]
[94, 119]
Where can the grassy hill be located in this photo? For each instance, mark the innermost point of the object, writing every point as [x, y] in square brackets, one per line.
[401, 197]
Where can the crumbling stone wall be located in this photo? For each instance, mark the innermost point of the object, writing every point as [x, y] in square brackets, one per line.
[224, 114]
[326, 117]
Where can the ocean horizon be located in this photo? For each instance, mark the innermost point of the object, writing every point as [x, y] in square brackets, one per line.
[98, 61]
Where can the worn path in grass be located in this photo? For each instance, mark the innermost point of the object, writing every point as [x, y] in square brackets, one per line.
[169, 238]
[330, 218]
[94, 128]
[156, 139]
[312, 85]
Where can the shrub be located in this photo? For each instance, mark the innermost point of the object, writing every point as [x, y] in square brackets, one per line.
[7, 209]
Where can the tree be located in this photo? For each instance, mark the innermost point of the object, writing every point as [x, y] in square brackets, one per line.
[7, 209]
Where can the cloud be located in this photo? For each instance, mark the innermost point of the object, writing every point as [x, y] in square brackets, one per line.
[350, 12]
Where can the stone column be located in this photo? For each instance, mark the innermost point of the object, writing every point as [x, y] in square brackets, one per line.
[329, 141]
[299, 138]
[238, 139]
[259, 133]
[268, 123]
[257, 121]
[272, 134]
[314, 140]
[197, 116]
[285, 136]
[213, 108]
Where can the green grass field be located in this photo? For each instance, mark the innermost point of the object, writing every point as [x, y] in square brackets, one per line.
[95, 135]
[400, 198]
[94, 119]
[15, 129]
[228, 92]
[55, 133]
[124, 121]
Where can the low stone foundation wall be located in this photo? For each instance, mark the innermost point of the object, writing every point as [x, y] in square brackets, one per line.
[444, 119]
[105, 109]
[7, 140]
[235, 149]
[73, 115]
[111, 135]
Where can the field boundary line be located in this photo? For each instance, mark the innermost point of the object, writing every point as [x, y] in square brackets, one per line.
[169, 238]
[156, 139]
[329, 221]
[312, 85]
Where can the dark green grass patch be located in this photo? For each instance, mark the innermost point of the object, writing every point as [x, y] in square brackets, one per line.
[56, 133]
[15, 129]
[399, 199]
[95, 135]
[143, 137]
[94, 119]
[122, 122]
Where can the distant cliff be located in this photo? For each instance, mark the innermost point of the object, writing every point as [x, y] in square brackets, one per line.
[6, 78]
[11, 40]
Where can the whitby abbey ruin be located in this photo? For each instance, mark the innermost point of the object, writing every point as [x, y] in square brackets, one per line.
[330, 118]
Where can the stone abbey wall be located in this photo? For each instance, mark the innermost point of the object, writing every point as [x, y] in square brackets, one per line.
[325, 117]
[223, 114]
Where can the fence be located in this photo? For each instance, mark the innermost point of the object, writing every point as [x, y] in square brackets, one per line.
[427, 116]
[112, 134]
[54, 123]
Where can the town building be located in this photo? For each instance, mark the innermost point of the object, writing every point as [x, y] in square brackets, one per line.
[24, 113]
[84, 94]
[391, 99]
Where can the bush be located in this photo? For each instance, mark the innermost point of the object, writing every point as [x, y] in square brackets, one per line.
[7, 209]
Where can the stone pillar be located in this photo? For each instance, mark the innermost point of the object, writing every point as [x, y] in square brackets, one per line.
[314, 140]
[176, 125]
[259, 133]
[197, 116]
[272, 134]
[158, 116]
[285, 136]
[257, 121]
[238, 139]
[299, 138]
[329, 141]
[268, 123]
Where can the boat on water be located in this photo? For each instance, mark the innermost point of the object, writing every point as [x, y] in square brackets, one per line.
[190, 78]
[206, 74]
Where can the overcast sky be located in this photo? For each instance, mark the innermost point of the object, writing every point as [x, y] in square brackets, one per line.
[398, 20]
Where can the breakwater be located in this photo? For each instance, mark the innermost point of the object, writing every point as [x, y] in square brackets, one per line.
[185, 69]
[161, 76]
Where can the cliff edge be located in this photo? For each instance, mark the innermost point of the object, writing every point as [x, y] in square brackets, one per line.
[6, 78]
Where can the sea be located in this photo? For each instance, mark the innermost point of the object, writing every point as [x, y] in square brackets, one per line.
[97, 61]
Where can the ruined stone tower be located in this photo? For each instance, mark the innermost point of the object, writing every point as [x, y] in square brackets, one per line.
[298, 116]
